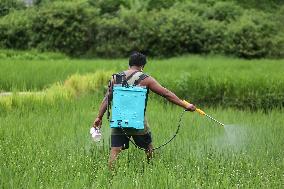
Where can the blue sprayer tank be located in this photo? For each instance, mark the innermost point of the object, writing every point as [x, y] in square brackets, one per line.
[128, 108]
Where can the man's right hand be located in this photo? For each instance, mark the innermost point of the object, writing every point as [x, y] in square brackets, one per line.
[191, 107]
[97, 123]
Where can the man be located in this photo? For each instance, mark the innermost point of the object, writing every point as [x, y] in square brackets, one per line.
[143, 139]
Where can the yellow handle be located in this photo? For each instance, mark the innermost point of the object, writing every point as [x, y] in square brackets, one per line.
[197, 109]
[200, 111]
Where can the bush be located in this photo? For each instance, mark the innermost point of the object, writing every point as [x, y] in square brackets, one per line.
[214, 37]
[223, 11]
[270, 5]
[6, 6]
[277, 47]
[15, 29]
[225, 28]
[110, 7]
[65, 27]
[165, 33]
[111, 38]
[251, 36]
[179, 32]
[115, 28]
[161, 4]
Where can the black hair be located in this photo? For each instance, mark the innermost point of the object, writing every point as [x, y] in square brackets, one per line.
[137, 59]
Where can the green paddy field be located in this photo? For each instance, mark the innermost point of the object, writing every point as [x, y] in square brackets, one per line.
[44, 134]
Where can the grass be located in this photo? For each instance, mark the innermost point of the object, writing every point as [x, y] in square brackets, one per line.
[49, 147]
[17, 74]
[203, 80]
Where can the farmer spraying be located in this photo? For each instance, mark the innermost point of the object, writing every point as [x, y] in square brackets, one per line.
[128, 91]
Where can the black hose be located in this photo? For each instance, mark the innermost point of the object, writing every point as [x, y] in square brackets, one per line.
[175, 134]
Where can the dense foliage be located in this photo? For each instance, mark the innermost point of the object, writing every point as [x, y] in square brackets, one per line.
[114, 28]
[6, 6]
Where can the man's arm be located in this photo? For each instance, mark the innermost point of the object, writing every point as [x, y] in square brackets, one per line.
[102, 109]
[154, 86]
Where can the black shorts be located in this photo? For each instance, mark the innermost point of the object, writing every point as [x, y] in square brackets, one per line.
[142, 141]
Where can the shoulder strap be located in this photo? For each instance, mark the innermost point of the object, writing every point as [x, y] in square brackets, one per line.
[120, 78]
[131, 75]
[141, 77]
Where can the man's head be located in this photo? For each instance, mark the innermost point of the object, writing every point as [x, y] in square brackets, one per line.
[137, 59]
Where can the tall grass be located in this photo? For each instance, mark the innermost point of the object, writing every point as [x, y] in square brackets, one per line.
[48, 146]
[38, 74]
[203, 80]
[75, 86]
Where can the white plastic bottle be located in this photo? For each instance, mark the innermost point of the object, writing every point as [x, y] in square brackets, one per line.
[96, 134]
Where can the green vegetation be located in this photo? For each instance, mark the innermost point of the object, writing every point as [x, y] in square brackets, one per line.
[261, 4]
[7, 6]
[48, 100]
[203, 80]
[48, 146]
[113, 28]
[30, 55]
[75, 86]
[44, 134]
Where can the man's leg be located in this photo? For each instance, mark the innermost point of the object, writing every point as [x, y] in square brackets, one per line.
[118, 143]
[149, 152]
[113, 155]
[145, 141]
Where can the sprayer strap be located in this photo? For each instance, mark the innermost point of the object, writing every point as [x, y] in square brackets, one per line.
[109, 96]
[141, 77]
[131, 75]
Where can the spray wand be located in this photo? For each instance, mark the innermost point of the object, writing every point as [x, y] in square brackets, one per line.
[201, 112]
